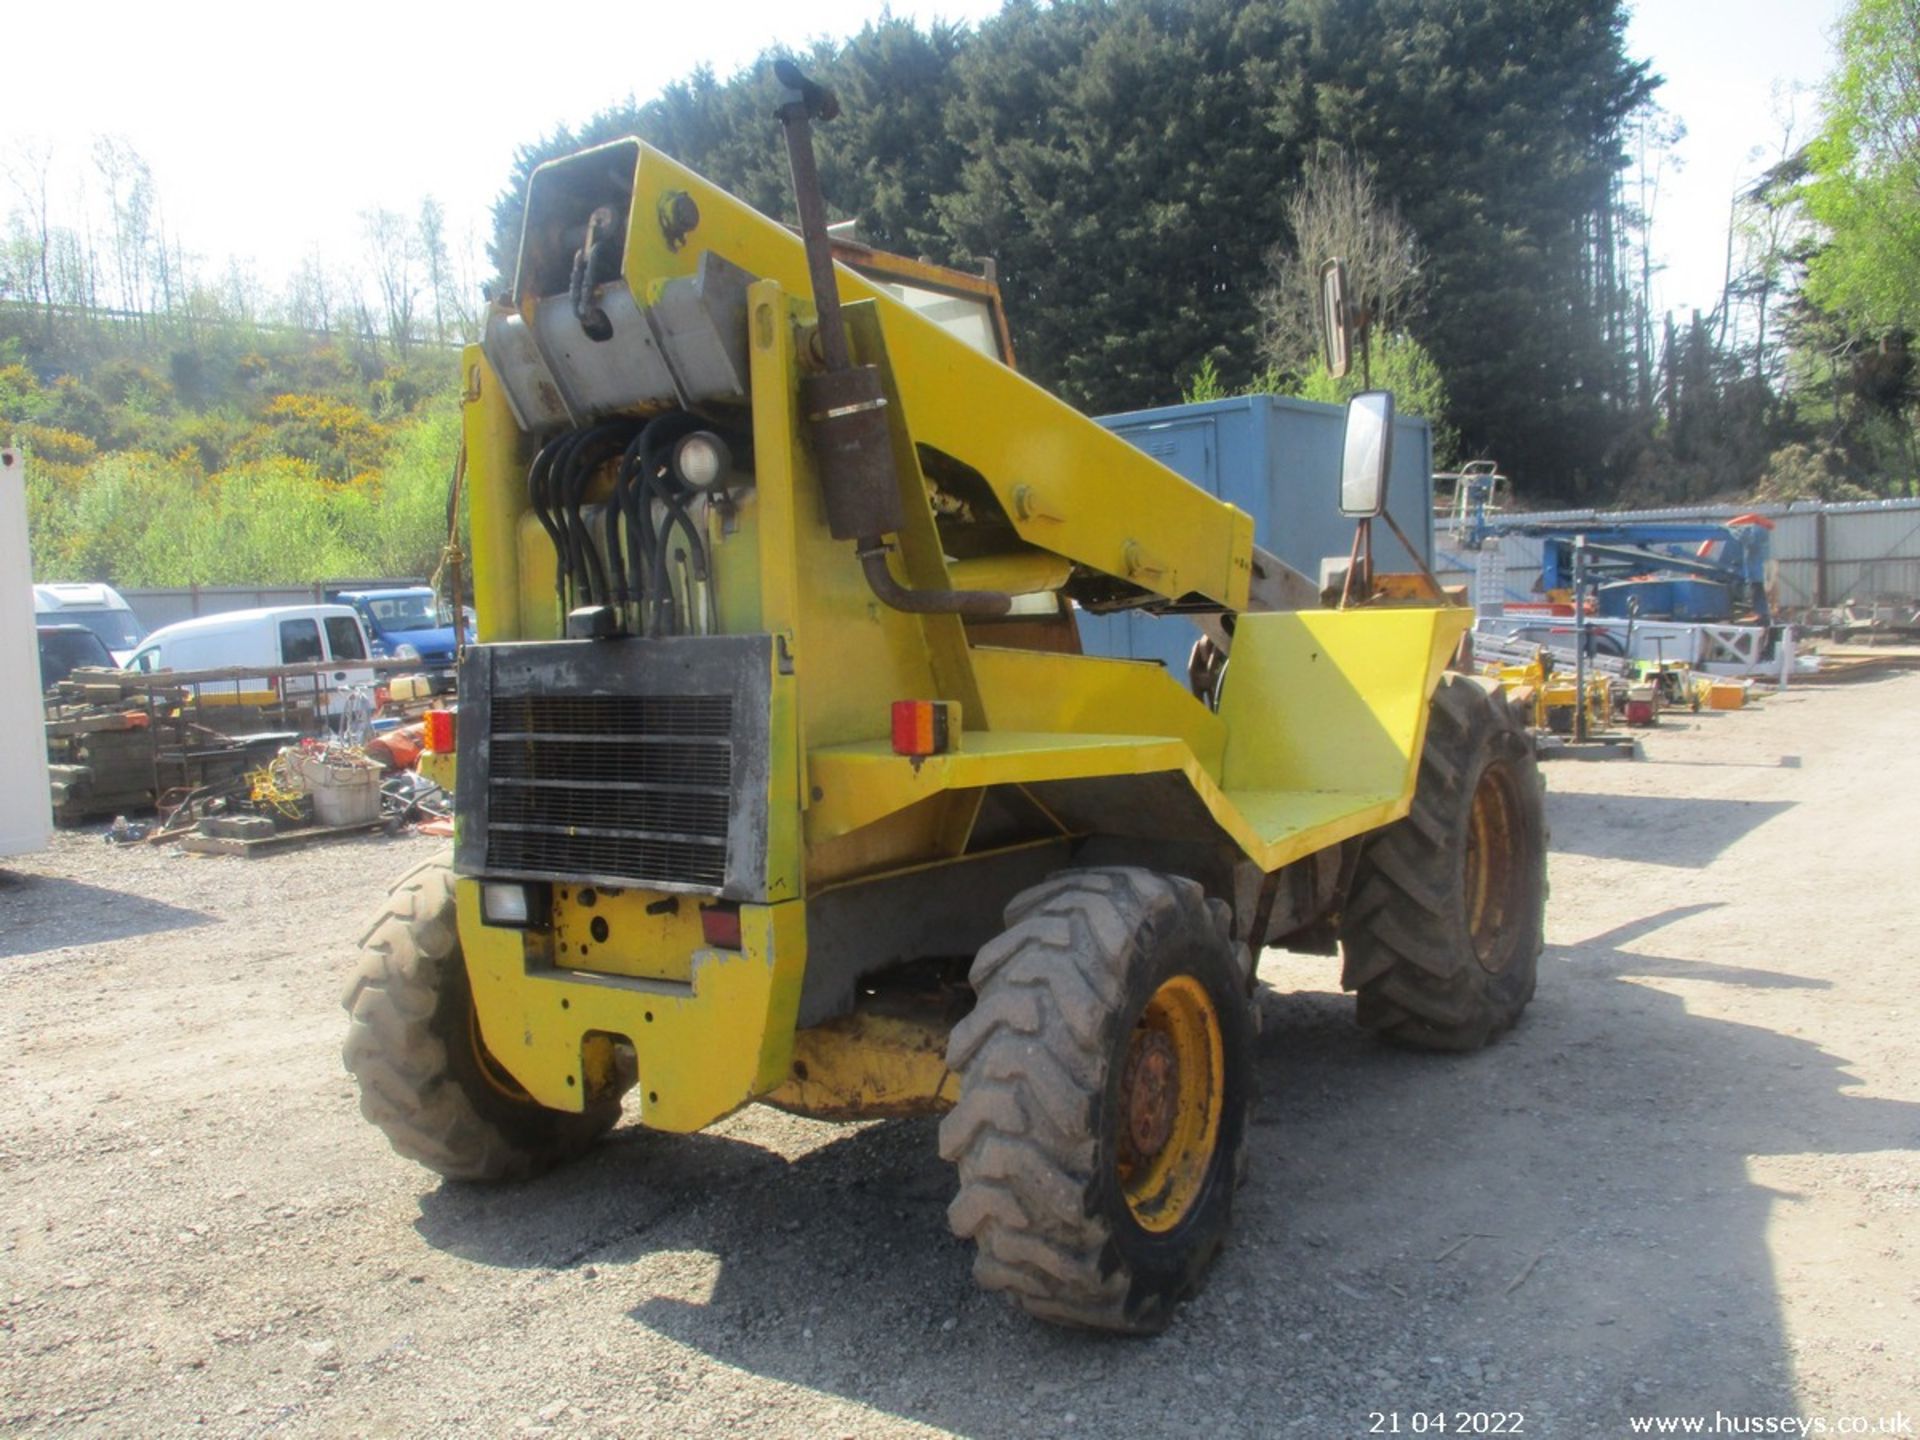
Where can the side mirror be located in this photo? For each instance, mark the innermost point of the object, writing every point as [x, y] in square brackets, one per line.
[1368, 454]
[1336, 324]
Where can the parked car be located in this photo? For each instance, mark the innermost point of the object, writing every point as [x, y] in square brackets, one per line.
[407, 624]
[98, 607]
[274, 636]
[67, 648]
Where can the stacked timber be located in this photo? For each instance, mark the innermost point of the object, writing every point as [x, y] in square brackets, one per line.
[106, 736]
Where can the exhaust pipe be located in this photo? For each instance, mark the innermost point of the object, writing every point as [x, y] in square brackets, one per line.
[845, 406]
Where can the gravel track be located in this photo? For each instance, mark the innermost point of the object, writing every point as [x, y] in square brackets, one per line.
[1686, 1182]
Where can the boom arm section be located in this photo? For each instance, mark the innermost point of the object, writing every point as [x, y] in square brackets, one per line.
[1026, 469]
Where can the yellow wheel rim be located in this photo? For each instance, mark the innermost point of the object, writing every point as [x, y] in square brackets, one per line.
[1492, 870]
[1171, 1096]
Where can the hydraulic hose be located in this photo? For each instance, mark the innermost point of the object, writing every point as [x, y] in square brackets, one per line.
[639, 464]
[873, 564]
[537, 499]
[652, 484]
[591, 451]
[557, 480]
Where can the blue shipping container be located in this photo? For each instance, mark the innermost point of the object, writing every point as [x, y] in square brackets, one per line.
[1278, 459]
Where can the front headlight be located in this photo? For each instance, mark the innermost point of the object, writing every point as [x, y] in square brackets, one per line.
[513, 907]
[404, 651]
[702, 461]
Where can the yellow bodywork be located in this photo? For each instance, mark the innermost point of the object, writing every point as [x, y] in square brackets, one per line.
[867, 1066]
[1316, 739]
[705, 1045]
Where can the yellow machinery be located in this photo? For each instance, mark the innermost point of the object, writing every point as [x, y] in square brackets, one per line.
[780, 777]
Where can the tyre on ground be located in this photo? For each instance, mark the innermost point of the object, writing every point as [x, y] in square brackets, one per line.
[414, 1046]
[1106, 1073]
[1442, 927]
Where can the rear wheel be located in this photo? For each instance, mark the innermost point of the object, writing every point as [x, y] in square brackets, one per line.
[414, 1045]
[1106, 1074]
[1443, 922]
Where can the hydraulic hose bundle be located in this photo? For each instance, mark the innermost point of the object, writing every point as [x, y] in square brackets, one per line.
[650, 584]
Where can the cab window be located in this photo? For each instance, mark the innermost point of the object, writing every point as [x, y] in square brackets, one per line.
[299, 642]
[968, 318]
[343, 638]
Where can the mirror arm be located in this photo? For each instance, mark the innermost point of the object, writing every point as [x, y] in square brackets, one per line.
[1358, 560]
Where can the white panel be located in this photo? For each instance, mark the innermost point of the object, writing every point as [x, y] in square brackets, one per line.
[26, 818]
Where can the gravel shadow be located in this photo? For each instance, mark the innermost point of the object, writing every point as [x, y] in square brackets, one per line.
[1655, 829]
[48, 912]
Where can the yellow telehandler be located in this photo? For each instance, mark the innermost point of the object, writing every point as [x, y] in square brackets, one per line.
[779, 775]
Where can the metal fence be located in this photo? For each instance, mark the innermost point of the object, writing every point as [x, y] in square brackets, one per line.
[155, 608]
[1826, 553]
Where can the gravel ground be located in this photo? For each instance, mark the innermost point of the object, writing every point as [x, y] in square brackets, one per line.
[1686, 1183]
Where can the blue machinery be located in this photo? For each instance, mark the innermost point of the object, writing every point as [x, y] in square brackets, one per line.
[1692, 571]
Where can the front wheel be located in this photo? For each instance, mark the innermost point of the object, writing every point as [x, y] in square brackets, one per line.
[1105, 1077]
[425, 1075]
[1444, 919]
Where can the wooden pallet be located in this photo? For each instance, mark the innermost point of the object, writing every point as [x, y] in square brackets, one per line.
[1859, 662]
[272, 844]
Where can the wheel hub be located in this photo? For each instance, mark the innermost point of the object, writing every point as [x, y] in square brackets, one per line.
[1166, 1123]
[1151, 1085]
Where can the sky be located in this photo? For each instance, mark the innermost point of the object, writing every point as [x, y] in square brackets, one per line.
[1731, 68]
[270, 129]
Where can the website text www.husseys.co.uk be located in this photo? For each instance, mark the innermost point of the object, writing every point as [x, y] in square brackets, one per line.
[1721, 1423]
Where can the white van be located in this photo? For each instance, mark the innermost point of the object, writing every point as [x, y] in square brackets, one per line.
[274, 636]
[98, 607]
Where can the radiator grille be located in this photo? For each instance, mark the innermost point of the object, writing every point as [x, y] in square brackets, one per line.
[632, 787]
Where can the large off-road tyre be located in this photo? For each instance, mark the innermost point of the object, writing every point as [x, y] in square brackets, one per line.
[414, 1046]
[1442, 926]
[1106, 1072]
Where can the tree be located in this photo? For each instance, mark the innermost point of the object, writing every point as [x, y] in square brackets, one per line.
[1127, 167]
[433, 254]
[129, 186]
[1503, 156]
[1766, 249]
[29, 169]
[1864, 190]
[1337, 212]
[393, 255]
[311, 299]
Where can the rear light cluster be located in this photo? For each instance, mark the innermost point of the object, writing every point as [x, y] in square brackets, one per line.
[437, 732]
[720, 926]
[922, 727]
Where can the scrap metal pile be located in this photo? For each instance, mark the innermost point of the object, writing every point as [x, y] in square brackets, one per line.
[124, 745]
[117, 743]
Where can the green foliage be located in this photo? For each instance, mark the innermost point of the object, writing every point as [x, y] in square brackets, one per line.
[1806, 472]
[1400, 364]
[1864, 190]
[258, 457]
[410, 514]
[137, 519]
[1204, 384]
